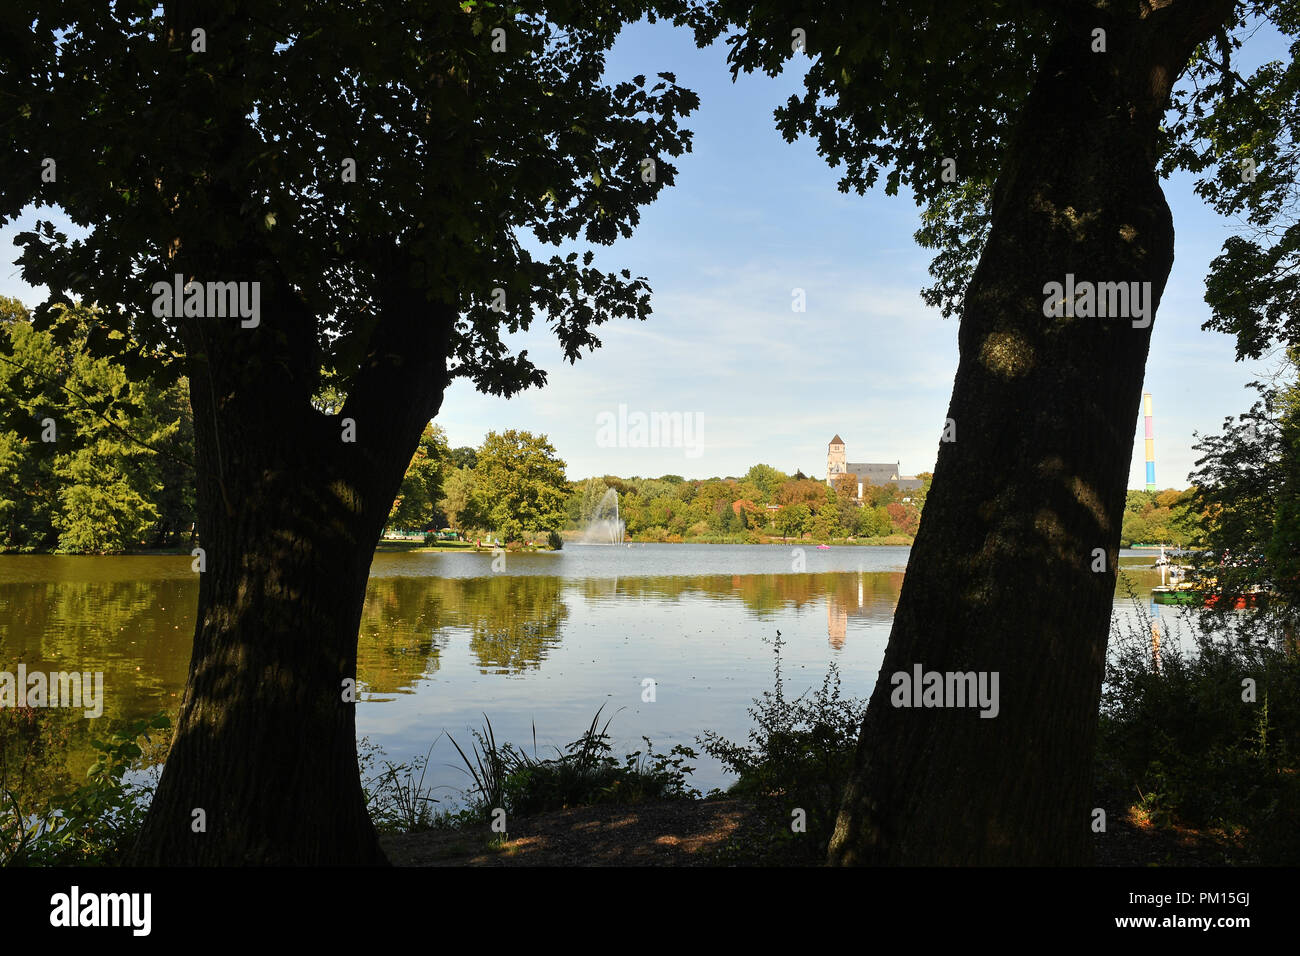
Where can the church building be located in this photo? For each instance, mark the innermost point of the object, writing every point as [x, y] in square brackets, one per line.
[867, 473]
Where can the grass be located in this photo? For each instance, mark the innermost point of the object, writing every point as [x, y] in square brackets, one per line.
[505, 777]
[583, 773]
[420, 546]
[396, 796]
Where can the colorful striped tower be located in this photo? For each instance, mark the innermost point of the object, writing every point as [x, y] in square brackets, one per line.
[1151, 443]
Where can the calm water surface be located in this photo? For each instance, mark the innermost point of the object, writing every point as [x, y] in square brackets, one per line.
[445, 639]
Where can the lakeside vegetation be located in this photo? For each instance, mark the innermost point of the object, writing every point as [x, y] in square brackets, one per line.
[117, 475]
[1184, 773]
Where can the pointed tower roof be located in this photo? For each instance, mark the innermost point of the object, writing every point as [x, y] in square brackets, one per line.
[837, 440]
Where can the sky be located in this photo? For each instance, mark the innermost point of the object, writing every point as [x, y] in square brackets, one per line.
[750, 219]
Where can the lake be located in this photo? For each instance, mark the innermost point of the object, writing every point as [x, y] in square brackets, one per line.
[544, 639]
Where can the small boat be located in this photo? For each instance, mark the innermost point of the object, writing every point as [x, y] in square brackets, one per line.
[1180, 589]
[1182, 593]
[823, 547]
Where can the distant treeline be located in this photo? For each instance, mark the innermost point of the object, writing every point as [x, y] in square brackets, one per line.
[93, 462]
[1161, 517]
[513, 486]
[763, 502]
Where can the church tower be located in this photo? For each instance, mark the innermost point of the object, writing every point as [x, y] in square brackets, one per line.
[835, 464]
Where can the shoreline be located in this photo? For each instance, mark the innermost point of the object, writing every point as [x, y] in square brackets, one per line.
[412, 547]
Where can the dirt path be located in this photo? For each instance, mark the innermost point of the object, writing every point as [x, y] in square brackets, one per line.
[726, 832]
[681, 833]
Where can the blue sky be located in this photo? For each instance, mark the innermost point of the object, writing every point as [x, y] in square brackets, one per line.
[750, 219]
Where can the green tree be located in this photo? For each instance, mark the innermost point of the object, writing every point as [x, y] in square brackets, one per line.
[768, 481]
[417, 500]
[457, 501]
[919, 496]
[873, 522]
[464, 457]
[981, 115]
[99, 510]
[1246, 494]
[376, 179]
[585, 500]
[93, 462]
[791, 519]
[519, 484]
[878, 495]
[825, 523]
[29, 395]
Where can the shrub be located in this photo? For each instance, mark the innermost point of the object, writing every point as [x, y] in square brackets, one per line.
[511, 530]
[799, 755]
[554, 541]
[96, 823]
[1182, 742]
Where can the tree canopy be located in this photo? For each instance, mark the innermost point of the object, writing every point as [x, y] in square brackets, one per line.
[327, 117]
[519, 485]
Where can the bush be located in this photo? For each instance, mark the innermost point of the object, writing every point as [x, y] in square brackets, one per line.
[511, 530]
[799, 755]
[554, 541]
[1181, 741]
[95, 824]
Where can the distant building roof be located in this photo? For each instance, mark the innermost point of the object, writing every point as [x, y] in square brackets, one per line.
[877, 473]
[837, 440]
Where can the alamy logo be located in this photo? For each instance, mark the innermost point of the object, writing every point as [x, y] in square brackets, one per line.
[208, 300]
[1099, 300]
[58, 689]
[75, 908]
[656, 430]
[922, 688]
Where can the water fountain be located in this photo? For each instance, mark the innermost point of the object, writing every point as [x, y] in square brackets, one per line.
[605, 527]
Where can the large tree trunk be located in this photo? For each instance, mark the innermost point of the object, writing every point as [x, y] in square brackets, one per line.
[1003, 574]
[289, 514]
[289, 511]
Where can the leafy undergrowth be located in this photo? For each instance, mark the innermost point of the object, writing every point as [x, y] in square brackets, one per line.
[92, 824]
[1198, 751]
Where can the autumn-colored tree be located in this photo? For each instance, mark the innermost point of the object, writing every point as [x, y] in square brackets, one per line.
[809, 491]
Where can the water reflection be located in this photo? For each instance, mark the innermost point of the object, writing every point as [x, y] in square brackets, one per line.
[871, 597]
[488, 643]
